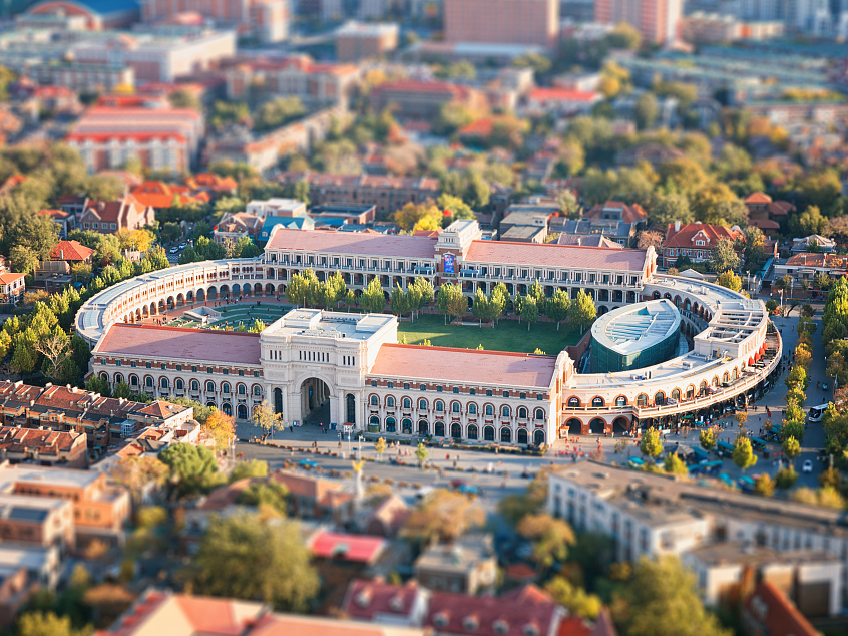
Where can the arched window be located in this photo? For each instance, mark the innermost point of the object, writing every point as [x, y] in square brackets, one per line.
[257, 390]
[148, 381]
[133, 380]
[391, 426]
[690, 391]
[440, 406]
[621, 401]
[659, 398]
[375, 401]
[472, 431]
[506, 435]
[505, 411]
[228, 408]
[641, 400]
[454, 407]
[597, 401]
[390, 402]
[422, 404]
[539, 414]
[439, 429]
[472, 409]
[163, 382]
[194, 385]
[735, 374]
[573, 402]
[703, 387]
[225, 387]
[407, 404]
[118, 378]
[489, 411]
[374, 423]
[715, 381]
[210, 386]
[676, 394]
[489, 433]
[522, 412]
[726, 377]
[242, 411]
[242, 390]
[178, 384]
[406, 425]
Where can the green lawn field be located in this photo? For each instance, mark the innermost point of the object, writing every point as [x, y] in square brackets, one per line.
[509, 335]
[232, 315]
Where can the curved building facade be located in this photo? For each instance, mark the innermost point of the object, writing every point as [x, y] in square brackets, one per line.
[353, 367]
[633, 337]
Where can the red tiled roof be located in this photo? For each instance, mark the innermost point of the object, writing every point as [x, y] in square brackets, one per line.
[354, 243]
[686, 236]
[770, 607]
[55, 214]
[9, 278]
[758, 198]
[305, 486]
[47, 441]
[832, 261]
[70, 251]
[765, 224]
[561, 94]
[297, 625]
[629, 213]
[347, 547]
[507, 615]
[552, 255]
[159, 195]
[211, 615]
[365, 599]
[465, 366]
[226, 496]
[150, 341]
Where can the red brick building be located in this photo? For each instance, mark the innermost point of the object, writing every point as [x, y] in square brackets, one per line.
[107, 217]
[696, 241]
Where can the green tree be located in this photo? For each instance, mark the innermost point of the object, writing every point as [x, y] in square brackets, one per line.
[244, 557]
[529, 311]
[673, 464]
[786, 477]
[646, 111]
[193, 469]
[480, 308]
[400, 301]
[665, 209]
[513, 508]
[568, 204]
[46, 624]
[743, 453]
[574, 598]
[443, 516]
[582, 311]
[266, 418]
[809, 222]
[373, 299]
[794, 428]
[421, 454]
[557, 306]
[724, 257]
[250, 469]
[661, 598]
[497, 303]
[550, 537]
[299, 289]
[268, 493]
[730, 280]
[651, 444]
[791, 448]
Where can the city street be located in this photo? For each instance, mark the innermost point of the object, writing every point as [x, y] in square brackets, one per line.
[305, 436]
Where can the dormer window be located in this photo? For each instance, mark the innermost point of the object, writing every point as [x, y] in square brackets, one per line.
[500, 626]
[396, 604]
[700, 243]
[363, 599]
[530, 630]
[441, 620]
[470, 623]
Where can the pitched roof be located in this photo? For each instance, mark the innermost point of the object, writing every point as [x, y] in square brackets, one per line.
[552, 255]
[685, 237]
[354, 243]
[818, 260]
[8, 278]
[562, 94]
[70, 251]
[770, 607]
[150, 341]
[629, 213]
[159, 195]
[466, 366]
[757, 198]
[347, 547]
[366, 599]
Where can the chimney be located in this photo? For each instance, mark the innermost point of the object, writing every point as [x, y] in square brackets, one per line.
[677, 226]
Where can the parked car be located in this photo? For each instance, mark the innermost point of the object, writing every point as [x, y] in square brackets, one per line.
[174, 250]
[824, 386]
[307, 463]
[183, 245]
[808, 466]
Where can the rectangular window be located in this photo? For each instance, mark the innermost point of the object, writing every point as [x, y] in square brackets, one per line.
[112, 226]
[456, 389]
[94, 225]
[472, 391]
[439, 388]
[488, 392]
[522, 395]
[423, 387]
[506, 393]
[193, 369]
[391, 385]
[539, 396]
[256, 374]
[226, 372]
[373, 382]
[209, 370]
[406, 385]
[148, 365]
[132, 364]
[117, 363]
[179, 367]
[162, 366]
[241, 372]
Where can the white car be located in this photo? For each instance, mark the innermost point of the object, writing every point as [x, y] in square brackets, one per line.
[183, 245]
[174, 250]
[808, 466]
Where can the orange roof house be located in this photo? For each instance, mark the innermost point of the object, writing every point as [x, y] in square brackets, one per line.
[71, 251]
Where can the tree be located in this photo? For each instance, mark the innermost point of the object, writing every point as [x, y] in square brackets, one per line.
[373, 299]
[743, 453]
[480, 308]
[192, 469]
[137, 240]
[137, 473]
[573, 598]
[529, 311]
[551, 538]
[651, 444]
[724, 257]
[582, 311]
[764, 485]
[268, 493]
[399, 302]
[556, 307]
[250, 469]
[183, 98]
[668, 208]
[794, 428]
[646, 111]
[708, 438]
[444, 516]
[730, 280]
[673, 464]
[421, 454]
[446, 299]
[741, 417]
[513, 508]
[791, 448]
[661, 598]
[624, 36]
[410, 214]
[786, 477]
[380, 446]
[299, 289]
[25, 358]
[568, 204]
[244, 557]
[649, 239]
[267, 419]
[23, 259]
[56, 351]
[809, 222]
[497, 303]
[423, 293]
[46, 624]
[221, 427]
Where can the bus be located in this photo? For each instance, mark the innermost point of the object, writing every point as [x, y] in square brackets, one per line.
[815, 414]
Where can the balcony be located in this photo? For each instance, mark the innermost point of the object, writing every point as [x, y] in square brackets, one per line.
[426, 271]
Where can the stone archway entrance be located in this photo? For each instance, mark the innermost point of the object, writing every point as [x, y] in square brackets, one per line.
[315, 401]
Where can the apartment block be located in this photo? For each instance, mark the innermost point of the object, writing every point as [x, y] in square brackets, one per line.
[657, 20]
[358, 41]
[83, 77]
[267, 20]
[527, 22]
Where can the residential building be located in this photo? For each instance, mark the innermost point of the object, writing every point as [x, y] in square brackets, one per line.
[657, 20]
[38, 521]
[12, 288]
[180, 615]
[695, 241]
[387, 194]
[805, 267]
[595, 233]
[159, 56]
[560, 102]
[379, 602]
[276, 207]
[767, 612]
[266, 20]
[316, 498]
[15, 592]
[352, 550]
[90, 15]
[162, 196]
[527, 215]
[425, 99]
[357, 41]
[71, 252]
[524, 234]
[501, 22]
[108, 217]
[65, 220]
[316, 85]
[211, 184]
[806, 243]
[83, 77]
[659, 516]
[44, 446]
[616, 211]
[117, 129]
[234, 226]
[784, 112]
[466, 566]
[42, 565]
[287, 222]
[713, 28]
[331, 215]
[766, 214]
